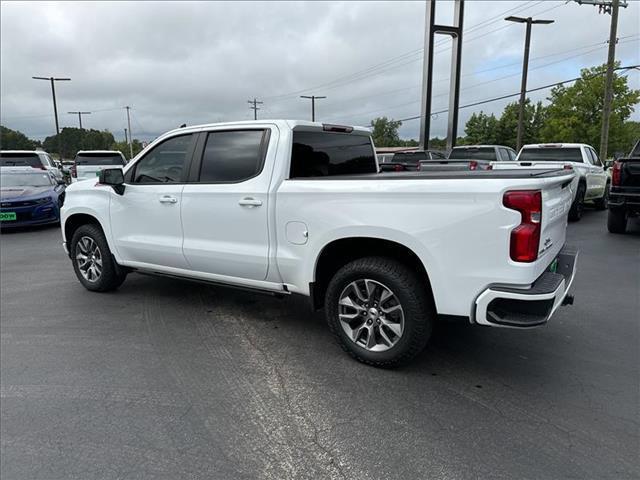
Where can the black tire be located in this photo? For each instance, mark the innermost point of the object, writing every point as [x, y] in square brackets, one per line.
[577, 206]
[412, 294]
[603, 203]
[617, 221]
[112, 275]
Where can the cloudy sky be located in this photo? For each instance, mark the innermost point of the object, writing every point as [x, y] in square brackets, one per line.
[200, 62]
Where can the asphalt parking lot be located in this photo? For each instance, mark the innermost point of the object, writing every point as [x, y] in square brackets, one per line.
[166, 379]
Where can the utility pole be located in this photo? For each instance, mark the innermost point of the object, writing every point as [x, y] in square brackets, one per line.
[525, 70]
[130, 135]
[55, 107]
[80, 116]
[608, 84]
[126, 140]
[255, 107]
[612, 7]
[313, 105]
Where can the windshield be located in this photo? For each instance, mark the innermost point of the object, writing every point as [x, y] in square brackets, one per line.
[546, 154]
[20, 179]
[483, 153]
[100, 159]
[20, 160]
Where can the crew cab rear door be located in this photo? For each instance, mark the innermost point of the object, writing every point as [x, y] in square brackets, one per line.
[225, 204]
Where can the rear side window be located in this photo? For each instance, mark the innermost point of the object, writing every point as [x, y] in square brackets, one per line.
[482, 153]
[324, 154]
[512, 155]
[552, 154]
[20, 160]
[99, 159]
[233, 156]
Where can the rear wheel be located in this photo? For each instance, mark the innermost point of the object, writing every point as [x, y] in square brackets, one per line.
[379, 311]
[577, 206]
[603, 203]
[92, 260]
[617, 221]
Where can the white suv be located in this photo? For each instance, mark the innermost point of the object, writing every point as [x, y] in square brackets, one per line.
[29, 158]
[89, 163]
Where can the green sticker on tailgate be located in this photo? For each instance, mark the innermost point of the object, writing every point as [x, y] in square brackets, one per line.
[7, 216]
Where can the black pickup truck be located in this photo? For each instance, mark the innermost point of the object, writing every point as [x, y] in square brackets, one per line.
[624, 197]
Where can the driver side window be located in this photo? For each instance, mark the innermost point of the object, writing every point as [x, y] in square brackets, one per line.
[166, 162]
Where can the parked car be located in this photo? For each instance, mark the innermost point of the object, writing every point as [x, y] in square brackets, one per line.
[29, 158]
[624, 200]
[88, 163]
[293, 207]
[592, 183]
[409, 161]
[29, 197]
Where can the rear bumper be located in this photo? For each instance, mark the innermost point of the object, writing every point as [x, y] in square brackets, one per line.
[533, 305]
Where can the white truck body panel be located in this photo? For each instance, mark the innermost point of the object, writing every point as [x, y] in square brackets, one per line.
[457, 227]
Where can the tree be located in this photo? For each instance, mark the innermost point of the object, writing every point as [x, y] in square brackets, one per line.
[124, 147]
[385, 132]
[481, 128]
[575, 112]
[507, 125]
[74, 139]
[15, 140]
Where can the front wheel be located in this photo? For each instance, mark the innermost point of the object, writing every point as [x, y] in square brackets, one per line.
[617, 221]
[92, 260]
[380, 311]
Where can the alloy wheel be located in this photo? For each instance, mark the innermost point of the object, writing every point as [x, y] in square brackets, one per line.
[89, 259]
[371, 315]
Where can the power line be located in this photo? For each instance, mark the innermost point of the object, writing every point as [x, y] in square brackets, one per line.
[503, 97]
[390, 63]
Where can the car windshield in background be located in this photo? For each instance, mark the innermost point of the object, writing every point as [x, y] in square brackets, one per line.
[99, 160]
[19, 160]
[19, 179]
[410, 157]
[321, 154]
[550, 155]
[487, 153]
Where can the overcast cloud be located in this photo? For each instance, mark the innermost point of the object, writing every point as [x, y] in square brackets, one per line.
[200, 62]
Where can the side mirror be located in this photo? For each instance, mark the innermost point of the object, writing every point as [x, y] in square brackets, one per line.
[113, 177]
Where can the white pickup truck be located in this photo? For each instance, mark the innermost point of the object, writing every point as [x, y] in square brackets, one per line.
[592, 183]
[292, 207]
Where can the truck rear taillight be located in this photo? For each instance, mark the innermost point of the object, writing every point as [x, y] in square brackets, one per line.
[398, 168]
[525, 238]
[616, 172]
[473, 165]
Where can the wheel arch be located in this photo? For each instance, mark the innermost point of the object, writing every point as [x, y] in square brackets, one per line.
[341, 251]
[75, 220]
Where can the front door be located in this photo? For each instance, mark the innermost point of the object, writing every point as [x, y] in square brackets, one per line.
[146, 220]
[225, 204]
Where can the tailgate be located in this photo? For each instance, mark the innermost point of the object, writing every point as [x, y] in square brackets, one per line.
[534, 165]
[445, 165]
[557, 196]
[90, 171]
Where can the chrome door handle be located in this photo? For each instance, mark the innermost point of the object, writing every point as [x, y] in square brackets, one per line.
[168, 199]
[249, 202]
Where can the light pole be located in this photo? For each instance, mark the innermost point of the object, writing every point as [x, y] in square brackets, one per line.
[525, 69]
[313, 105]
[55, 107]
[79, 116]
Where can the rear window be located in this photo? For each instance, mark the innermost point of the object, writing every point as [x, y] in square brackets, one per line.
[553, 154]
[20, 160]
[482, 153]
[99, 159]
[323, 154]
